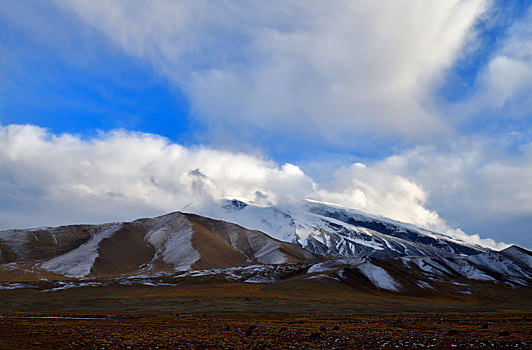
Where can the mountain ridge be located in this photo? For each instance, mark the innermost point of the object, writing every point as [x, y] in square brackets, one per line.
[171, 242]
[310, 243]
[338, 231]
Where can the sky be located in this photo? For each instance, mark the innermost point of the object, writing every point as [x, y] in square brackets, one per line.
[417, 110]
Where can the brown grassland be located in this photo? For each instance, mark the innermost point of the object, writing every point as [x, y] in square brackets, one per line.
[269, 331]
[315, 314]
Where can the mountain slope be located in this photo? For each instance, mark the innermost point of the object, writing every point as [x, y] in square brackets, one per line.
[313, 242]
[172, 242]
[519, 254]
[329, 230]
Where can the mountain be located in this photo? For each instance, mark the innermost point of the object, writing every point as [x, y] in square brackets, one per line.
[335, 231]
[168, 243]
[234, 241]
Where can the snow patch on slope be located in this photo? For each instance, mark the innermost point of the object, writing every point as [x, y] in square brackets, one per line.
[172, 239]
[429, 265]
[499, 263]
[336, 264]
[270, 254]
[78, 262]
[466, 269]
[519, 254]
[323, 276]
[379, 277]
[14, 238]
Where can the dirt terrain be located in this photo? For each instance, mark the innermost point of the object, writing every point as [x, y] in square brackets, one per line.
[316, 314]
[296, 295]
[270, 331]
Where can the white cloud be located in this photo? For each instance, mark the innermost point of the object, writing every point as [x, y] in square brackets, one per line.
[504, 85]
[376, 191]
[470, 182]
[48, 179]
[477, 177]
[127, 166]
[122, 175]
[338, 70]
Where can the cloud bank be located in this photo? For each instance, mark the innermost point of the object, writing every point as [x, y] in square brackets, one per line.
[47, 179]
[336, 73]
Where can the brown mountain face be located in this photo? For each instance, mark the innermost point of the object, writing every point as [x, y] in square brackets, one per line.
[123, 252]
[44, 243]
[167, 243]
[223, 244]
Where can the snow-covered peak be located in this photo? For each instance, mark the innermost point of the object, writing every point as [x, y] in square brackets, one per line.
[329, 229]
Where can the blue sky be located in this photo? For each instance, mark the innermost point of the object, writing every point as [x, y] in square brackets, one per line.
[80, 83]
[417, 110]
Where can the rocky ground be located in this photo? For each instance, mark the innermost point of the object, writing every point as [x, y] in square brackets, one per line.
[307, 314]
[462, 330]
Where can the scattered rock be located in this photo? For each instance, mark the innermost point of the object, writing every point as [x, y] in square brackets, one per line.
[315, 336]
[249, 332]
[452, 332]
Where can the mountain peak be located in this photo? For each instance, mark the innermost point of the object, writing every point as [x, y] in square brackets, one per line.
[337, 231]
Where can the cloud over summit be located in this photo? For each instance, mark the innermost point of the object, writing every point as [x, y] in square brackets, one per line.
[49, 179]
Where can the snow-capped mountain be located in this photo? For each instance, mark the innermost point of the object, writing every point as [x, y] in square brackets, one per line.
[238, 241]
[330, 230]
